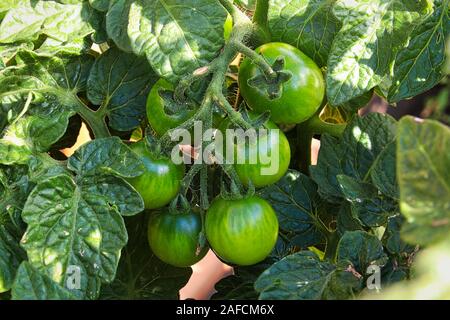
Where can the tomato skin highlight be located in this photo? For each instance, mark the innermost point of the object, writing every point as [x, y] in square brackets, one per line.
[241, 232]
[301, 96]
[174, 237]
[161, 181]
[159, 120]
[262, 151]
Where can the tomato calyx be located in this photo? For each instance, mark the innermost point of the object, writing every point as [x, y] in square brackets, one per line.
[173, 106]
[272, 84]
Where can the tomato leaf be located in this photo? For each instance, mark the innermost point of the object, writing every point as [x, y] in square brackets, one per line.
[294, 199]
[120, 82]
[423, 161]
[365, 47]
[309, 25]
[362, 250]
[106, 155]
[177, 36]
[302, 276]
[10, 256]
[420, 65]
[30, 284]
[59, 21]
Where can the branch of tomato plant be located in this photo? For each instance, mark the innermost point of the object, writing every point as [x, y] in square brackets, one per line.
[305, 133]
[94, 119]
[243, 29]
[260, 20]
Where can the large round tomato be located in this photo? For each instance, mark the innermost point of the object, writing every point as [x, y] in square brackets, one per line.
[161, 181]
[159, 120]
[264, 162]
[301, 95]
[241, 232]
[174, 237]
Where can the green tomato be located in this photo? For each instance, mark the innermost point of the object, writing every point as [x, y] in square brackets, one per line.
[161, 181]
[174, 237]
[159, 120]
[271, 152]
[241, 232]
[301, 96]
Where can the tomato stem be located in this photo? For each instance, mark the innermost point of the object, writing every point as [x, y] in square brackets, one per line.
[256, 59]
[96, 121]
[260, 19]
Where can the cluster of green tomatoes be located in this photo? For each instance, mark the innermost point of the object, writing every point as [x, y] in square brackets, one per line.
[240, 231]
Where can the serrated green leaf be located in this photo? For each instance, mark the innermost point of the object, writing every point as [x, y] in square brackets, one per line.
[355, 155]
[100, 5]
[294, 199]
[392, 240]
[362, 250]
[141, 275]
[176, 36]
[423, 162]
[371, 208]
[11, 256]
[30, 284]
[365, 47]
[107, 155]
[52, 81]
[8, 51]
[309, 25]
[59, 21]
[78, 224]
[120, 82]
[74, 47]
[35, 133]
[117, 23]
[302, 276]
[420, 65]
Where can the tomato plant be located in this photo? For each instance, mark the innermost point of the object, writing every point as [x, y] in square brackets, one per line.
[243, 231]
[89, 91]
[161, 180]
[174, 237]
[299, 97]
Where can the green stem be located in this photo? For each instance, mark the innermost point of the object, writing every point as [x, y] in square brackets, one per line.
[332, 245]
[96, 121]
[256, 59]
[260, 19]
[319, 126]
[304, 139]
[305, 134]
[235, 13]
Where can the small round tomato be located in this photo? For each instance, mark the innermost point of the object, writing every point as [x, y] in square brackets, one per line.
[161, 181]
[174, 237]
[301, 95]
[264, 162]
[241, 232]
[159, 120]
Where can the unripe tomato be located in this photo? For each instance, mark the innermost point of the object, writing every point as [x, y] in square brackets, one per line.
[241, 232]
[301, 96]
[161, 181]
